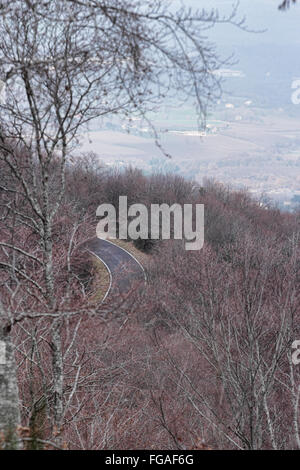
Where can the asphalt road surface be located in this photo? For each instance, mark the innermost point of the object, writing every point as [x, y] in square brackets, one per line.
[126, 273]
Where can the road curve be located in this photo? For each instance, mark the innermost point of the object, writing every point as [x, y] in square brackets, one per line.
[125, 271]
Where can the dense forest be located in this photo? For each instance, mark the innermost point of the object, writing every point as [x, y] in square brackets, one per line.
[201, 357]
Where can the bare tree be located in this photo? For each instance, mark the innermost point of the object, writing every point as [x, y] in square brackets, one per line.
[231, 322]
[65, 63]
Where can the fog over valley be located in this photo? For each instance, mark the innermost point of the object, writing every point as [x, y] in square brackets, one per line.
[253, 131]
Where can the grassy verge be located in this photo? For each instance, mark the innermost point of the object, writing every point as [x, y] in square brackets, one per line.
[101, 281]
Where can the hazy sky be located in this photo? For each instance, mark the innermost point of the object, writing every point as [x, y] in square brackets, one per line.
[283, 27]
[273, 53]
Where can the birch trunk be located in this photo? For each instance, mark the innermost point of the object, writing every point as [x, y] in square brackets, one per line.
[9, 396]
[58, 379]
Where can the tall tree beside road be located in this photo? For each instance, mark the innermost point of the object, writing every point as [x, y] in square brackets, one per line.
[65, 63]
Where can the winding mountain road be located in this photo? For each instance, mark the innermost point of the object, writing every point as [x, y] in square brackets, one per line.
[125, 270]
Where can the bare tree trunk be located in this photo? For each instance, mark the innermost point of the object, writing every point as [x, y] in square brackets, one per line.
[57, 364]
[9, 396]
